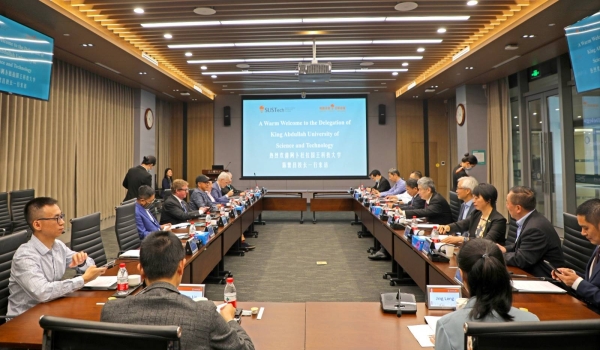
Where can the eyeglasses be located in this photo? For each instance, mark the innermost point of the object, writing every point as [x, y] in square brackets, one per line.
[183, 189]
[57, 218]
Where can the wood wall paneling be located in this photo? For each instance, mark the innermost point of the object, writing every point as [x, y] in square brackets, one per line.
[409, 136]
[439, 146]
[200, 139]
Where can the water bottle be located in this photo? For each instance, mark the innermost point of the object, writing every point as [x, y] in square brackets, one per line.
[230, 294]
[257, 189]
[435, 235]
[208, 219]
[192, 230]
[413, 222]
[122, 280]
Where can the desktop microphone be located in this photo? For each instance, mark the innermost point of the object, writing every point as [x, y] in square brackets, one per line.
[399, 311]
[255, 182]
[227, 166]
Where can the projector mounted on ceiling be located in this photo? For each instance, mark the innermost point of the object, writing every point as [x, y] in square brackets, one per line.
[314, 72]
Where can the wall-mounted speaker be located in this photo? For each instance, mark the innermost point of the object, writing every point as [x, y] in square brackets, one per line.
[381, 114]
[227, 116]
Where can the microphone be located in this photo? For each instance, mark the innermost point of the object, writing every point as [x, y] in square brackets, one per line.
[399, 311]
[255, 182]
[227, 166]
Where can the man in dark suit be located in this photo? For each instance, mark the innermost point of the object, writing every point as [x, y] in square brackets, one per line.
[216, 191]
[138, 176]
[436, 209]
[144, 220]
[229, 187]
[175, 209]
[162, 262]
[587, 285]
[536, 238]
[381, 183]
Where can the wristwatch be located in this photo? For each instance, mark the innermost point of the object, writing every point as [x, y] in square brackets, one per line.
[465, 239]
[82, 264]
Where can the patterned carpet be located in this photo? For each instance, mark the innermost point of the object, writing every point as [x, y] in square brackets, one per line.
[283, 267]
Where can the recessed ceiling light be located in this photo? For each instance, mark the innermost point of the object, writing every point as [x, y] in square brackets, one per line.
[213, 76]
[87, 45]
[540, 122]
[534, 113]
[558, 109]
[203, 67]
[383, 83]
[308, 43]
[188, 54]
[551, 25]
[143, 73]
[224, 85]
[421, 49]
[366, 64]
[531, 36]
[472, 3]
[138, 10]
[441, 30]
[243, 65]
[168, 36]
[404, 64]
[395, 73]
[406, 6]
[67, 34]
[376, 90]
[469, 68]
[517, 125]
[578, 116]
[205, 11]
[516, 117]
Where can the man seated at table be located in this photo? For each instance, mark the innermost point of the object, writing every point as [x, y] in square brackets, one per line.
[202, 197]
[144, 220]
[175, 209]
[38, 266]
[436, 209]
[399, 185]
[230, 187]
[217, 186]
[586, 285]
[381, 183]
[536, 238]
[416, 174]
[415, 202]
[162, 262]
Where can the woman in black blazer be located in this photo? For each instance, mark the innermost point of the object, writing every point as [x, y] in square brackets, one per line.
[167, 180]
[468, 162]
[485, 222]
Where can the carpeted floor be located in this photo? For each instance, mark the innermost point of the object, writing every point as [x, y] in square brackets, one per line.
[283, 267]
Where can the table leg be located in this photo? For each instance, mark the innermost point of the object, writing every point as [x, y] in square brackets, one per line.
[356, 221]
[398, 276]
[301, 217]
[314, 217]
[260, 220]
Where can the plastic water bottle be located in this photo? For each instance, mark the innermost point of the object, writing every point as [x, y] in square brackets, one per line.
[230, 296]
[122, 280]
[208, 219]
[435, 234]
[413, 222]
[257, 189]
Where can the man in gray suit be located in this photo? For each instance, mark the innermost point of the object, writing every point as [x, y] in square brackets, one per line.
[201, 196]
[162, 261]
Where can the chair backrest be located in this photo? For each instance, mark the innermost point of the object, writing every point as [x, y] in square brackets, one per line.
[129, 201]
[66, 333]
[511, 237]
[577, 249]
[18, 199]
[454, 206]
[166, 193]
[5, 220]
[85, 236]
[127, 233]
[547, 335]
[8, 247]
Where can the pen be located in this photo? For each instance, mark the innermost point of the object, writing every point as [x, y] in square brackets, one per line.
[518, 276]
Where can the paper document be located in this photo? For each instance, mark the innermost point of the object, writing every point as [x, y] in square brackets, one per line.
[526, 286]
[182, 225]
[432, 321]
[423, 333]
[131, 254]
[192, 290]
[102, 282]
[182, 235]
[427, 226]
[405, 197]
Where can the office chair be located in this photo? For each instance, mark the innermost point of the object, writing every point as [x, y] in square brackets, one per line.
[8, 247]
[18, 199]
[66, 333]
[129, 201]
[85, 236]
[511, 237]
[576, 248]
[125, 228]
[547, 335]
[454, 205]
[5, 221]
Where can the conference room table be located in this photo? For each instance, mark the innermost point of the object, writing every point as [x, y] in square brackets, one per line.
[310, 325]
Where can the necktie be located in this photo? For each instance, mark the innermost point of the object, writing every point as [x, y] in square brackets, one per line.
[518, 232]
[461, 212]
[184, 207]
[209, 196]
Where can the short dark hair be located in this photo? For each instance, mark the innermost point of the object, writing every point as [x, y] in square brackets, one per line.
[487, 192]
[469, 158]
[149, 160]
[418, 173]
[160, 254]
[590, 209]
[375, 173]
[34, 206]
[487, 277]
[394, 171]
[145, 192]
[412, 183]
[523, 196]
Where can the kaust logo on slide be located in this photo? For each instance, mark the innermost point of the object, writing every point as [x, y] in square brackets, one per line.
[332, 107]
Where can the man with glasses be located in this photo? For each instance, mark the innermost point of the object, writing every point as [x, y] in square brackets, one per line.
[39, 265]
[144, 220]
[175, 209]
[398, 188]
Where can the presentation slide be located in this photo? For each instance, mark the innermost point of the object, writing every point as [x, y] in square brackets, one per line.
[312, 137]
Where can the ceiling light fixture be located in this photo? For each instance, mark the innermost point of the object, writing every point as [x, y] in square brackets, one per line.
[204, 11]
[307, 43]
[107, 67]
[243, 65]
[143, 73]
[366, 64]
[168, 36]
[405, 64]
[421, 49]
[295, 71]
[203, 67]
[395, 73]
[213, 76]
[307, 59]
[406, 6]
[472, 3]
[441, 30]
[188, 54]
[138, 10]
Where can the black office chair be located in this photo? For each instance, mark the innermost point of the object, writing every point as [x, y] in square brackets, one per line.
[547, 335]
[576, 248]
[66, 333]
[85, 236]
[511, 237]
[8, 247]
[127, 233]
[454, 205]
[18, 199]
[129, 201]
[5, 221]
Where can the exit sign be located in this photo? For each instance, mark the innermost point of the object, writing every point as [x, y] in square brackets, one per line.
[541, 70]
[535, 73]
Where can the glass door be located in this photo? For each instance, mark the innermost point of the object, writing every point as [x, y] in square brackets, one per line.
[545, 158]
